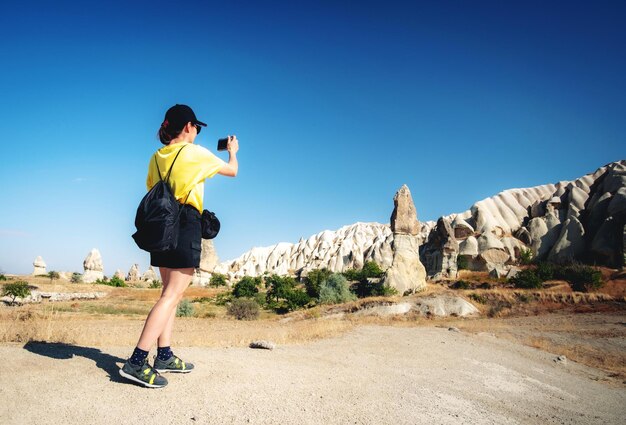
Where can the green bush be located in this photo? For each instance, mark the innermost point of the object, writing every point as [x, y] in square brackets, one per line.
[156, 284]
[297, 298]
[461, 284]
[462, 263]
[370, 270]
[546, 271]
[184, 309]
[17, 289]
[335, 290]
[247, 287]
[76, 278]
[368, 288]
[526, 257]
[243, 309]
[218, 279]
[115, 281]
[478, 298]
[282, 294]
[3, 277]
[582, 278]
[314, 280]
[53, 275]
[527, 279]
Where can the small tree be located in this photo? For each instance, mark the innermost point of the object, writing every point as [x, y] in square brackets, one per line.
[76, 277]
[313, 281]
[184, 309]
[218, 279]
[156, 284]
[53, 275]
[335, 290]
[17, 289]
[247, 287]
[243, 309]
[283, 295]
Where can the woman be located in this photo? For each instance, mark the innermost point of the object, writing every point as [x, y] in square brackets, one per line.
[190, 165]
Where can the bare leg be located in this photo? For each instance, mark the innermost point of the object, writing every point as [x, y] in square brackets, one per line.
[165, 339]
[177, 281]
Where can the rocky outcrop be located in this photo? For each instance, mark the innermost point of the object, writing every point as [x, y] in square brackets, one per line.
[582, 219]
[346, 248]
[442, 250]
[208, 262]
[406, 274]
[40, 266]
[93, 267]
[119, 274]
[149, 275]
[38, 296]
[133, 274]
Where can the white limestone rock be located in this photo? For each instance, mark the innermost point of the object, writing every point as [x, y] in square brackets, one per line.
[93, 267]
[149, 275]
[119, 274]
[133, 274]
[208, 256]
[39, 266]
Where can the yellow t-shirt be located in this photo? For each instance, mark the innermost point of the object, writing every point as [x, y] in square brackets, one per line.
[194, 164]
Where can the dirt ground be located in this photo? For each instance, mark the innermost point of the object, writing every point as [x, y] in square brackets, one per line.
[369, 375]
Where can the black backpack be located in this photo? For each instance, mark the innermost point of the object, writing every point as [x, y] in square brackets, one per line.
[158, 215]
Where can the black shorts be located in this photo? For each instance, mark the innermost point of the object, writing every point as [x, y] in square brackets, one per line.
[187, 252]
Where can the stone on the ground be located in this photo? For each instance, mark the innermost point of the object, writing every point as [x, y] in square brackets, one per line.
[267, 345]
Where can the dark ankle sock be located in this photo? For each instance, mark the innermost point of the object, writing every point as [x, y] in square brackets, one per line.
[138, 357]
[164, 353]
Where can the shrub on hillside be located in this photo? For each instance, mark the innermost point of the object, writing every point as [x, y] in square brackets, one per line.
[370, 270]
[218, 279]
[582, 278]
[156, 284]
[184, 309]
[247, 287]
[461, 284]
[526, 257]
[282, 294]
[527, 279]
[368, 288]
[76, 278]
[335, 290]
[114, 281]
[546, 271]
[53, 275]
[17, 289]
[243, 309]
[314, 280]
[462, 263]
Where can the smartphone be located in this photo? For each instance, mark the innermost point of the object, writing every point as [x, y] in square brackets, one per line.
[222, 144]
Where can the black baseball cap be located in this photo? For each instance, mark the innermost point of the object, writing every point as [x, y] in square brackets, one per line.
[179, 115]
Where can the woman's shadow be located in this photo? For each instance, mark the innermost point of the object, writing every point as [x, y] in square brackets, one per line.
[57, 350]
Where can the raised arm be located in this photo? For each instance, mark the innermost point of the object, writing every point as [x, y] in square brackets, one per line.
[230, 169]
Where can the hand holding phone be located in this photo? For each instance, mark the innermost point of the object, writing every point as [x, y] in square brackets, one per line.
[230, 143]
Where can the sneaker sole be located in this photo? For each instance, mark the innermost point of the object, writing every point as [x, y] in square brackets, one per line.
[173, 370]
[139, 381]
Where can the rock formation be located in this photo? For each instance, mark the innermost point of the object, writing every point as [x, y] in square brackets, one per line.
[93, 267]
[346, 248]
[583, 219]
[406, 274]
[133, 274]
[149, 275]
[208, 261]
[119, 274]
[40, 266]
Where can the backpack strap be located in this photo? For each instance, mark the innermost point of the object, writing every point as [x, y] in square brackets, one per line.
[170, 172]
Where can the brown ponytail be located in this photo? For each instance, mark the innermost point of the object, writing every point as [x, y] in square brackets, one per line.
[166, 133]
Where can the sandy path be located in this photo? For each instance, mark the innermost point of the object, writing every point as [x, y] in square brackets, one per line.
[373, 375]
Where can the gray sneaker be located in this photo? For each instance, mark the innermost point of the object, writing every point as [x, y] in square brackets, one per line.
[145, 375]
[173, 364]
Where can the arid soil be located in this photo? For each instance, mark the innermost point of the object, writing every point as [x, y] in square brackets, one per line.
[370, 375]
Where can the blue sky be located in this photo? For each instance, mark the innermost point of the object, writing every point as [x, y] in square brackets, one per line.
[336, 105]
